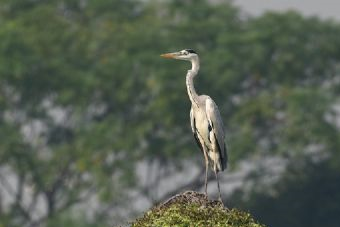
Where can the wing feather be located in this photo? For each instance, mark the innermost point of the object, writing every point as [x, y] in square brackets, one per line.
[214, 118]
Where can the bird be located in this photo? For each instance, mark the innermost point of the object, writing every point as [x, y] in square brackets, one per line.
[205, 120]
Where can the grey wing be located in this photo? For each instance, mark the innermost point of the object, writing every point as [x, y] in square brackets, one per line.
[214, 118]
[194, 129]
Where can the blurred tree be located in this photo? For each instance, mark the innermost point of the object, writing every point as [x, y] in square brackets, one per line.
[64, 105]
[85, 98]
[288, 107]
[307, 195]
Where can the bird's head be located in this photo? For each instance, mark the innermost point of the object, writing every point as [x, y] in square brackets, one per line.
[186, 54]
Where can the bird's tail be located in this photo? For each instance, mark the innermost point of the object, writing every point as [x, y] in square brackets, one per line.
[223, 163]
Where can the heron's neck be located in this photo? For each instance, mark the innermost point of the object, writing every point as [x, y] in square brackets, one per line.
[195, 65]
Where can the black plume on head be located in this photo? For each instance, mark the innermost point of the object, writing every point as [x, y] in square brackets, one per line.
[191, 51]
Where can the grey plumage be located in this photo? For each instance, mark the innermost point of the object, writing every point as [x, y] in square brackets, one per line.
[205, 119]
[207, 127]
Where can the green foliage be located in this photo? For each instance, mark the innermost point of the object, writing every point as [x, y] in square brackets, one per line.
[307, 195]
[89, 73]
[187, 215]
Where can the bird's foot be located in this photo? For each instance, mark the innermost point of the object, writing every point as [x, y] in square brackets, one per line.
[220, 201]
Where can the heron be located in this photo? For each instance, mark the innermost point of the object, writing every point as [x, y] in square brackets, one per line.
[205, 119]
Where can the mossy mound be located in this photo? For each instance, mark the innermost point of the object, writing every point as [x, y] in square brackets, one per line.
[192, 209]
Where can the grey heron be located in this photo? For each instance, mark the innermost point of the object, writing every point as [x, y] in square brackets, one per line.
[205, 119]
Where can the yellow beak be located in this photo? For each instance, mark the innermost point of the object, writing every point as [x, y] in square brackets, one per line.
[168, 55]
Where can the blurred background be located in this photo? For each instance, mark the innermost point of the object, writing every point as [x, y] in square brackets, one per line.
[94, 126]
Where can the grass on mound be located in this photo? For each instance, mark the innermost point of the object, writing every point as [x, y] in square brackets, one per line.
[192, 209]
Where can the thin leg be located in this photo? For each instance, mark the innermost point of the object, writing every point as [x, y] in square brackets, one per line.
[206, 173]
[218, 186]
[206, 177]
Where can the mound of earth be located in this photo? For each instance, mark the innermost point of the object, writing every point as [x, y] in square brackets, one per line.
[193, 209]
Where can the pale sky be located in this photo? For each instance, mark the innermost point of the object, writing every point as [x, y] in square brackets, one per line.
[326, 9]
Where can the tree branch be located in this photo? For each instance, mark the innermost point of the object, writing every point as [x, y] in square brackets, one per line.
[18, 195]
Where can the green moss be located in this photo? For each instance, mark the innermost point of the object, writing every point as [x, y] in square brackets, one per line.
[194, 212]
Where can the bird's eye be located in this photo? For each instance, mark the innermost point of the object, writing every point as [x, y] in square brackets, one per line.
[186, 53]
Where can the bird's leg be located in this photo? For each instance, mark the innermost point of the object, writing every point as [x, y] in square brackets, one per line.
[218, 186]
[206, 177]
[206, 172]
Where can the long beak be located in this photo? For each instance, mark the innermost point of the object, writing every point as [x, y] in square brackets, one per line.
[170, 55]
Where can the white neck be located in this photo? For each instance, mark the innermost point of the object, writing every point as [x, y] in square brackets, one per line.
[195, 65]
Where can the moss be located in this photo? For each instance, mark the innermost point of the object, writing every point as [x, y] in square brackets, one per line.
[194, 211]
